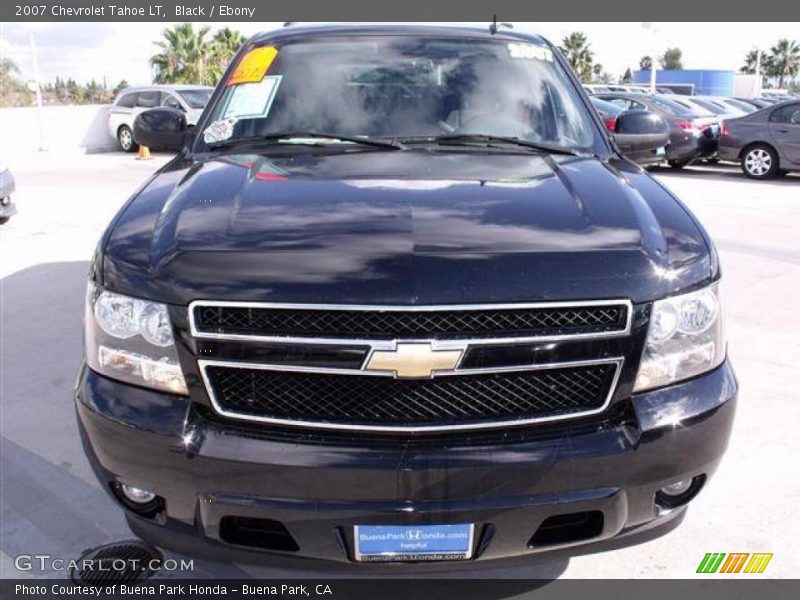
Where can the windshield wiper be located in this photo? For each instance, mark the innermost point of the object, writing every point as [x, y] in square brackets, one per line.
[289, 135]
[489, 140]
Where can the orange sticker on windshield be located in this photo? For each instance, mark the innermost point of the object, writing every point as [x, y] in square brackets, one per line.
[253, 66]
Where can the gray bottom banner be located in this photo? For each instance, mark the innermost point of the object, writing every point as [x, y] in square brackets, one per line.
[409, 589]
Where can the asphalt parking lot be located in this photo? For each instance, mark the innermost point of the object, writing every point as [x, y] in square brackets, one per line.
[51, 504]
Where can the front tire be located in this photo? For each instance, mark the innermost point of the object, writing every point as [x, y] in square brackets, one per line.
[125, 139]
[4, 220]
[677, 164]
[759, 162]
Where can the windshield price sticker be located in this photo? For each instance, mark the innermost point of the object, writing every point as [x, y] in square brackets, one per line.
[530, 52]
[252, 100]
[219, 130]
[253, 66]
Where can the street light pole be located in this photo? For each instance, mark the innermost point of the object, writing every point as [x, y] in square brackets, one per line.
[757, 87]
[38, 89]
[653, 52]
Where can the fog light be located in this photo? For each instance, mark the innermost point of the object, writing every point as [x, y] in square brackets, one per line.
[677, 488]
[137, 495]
[678, 493]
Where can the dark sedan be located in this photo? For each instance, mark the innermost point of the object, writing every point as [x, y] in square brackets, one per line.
[766, 143]
[609, 114]
[692, 136]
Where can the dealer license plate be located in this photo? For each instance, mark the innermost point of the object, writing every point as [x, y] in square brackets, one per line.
[381, 543]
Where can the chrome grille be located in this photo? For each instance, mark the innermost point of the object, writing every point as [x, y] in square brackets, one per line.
[331, 400]
[222, 319]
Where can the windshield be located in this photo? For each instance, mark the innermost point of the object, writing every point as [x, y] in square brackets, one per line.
[743, 106]
[402, 88]
[603, 106]
[672, 106]
[709, 106]
[196, 98]
[695, 108]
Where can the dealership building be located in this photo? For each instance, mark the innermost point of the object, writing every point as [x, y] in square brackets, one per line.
[698, 81]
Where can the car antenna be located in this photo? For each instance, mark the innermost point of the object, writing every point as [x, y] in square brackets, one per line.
[494, 25]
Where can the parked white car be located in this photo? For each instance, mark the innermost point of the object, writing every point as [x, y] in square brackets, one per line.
[191, 99]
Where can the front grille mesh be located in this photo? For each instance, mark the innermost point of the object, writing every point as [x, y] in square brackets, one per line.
[376, 400]
[395, 324]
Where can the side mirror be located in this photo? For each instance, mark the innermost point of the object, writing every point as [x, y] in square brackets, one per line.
[163, 128]
[640, 131]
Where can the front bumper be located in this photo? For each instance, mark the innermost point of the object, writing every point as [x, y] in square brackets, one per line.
[205, 470]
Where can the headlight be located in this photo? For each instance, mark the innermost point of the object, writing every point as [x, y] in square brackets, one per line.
[131, 340]
[685, 338]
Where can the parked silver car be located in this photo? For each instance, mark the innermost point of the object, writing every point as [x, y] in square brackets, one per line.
[766, 143]
[7, 187]
[191, 99]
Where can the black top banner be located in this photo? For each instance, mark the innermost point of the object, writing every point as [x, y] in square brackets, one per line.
[407, 10]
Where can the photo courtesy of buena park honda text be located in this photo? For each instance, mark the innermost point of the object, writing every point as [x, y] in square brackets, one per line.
[469, 300]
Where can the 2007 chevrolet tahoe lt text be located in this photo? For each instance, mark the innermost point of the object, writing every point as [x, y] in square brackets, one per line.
[400, 298]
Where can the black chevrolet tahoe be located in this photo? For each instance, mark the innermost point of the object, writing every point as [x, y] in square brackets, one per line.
[400, 297]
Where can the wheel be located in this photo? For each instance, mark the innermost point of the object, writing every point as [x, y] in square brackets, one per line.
[4, 220]
[677, 164]
[759, 162]
[125, 139]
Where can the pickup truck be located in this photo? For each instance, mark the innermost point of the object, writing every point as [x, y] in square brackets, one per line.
[400, 297]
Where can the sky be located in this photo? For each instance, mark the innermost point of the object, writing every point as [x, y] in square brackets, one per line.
[115, 51]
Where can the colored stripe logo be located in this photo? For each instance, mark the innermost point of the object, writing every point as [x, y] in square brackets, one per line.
[735, 562]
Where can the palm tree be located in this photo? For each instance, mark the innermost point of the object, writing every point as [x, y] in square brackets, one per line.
[224, 46]
[750, 60]
[8, 69]
[627, 77]
[749, 65]
[12, 91]
[184, 56]
[784, 60]
[576, 50]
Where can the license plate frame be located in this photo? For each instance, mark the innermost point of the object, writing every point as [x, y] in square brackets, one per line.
[424, 543]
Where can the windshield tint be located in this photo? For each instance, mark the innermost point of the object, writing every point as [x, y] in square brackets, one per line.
[196, 98]
[709, 106]
[603, 106]
[744, 106]
[403, 87]
[695, 108]
[671, 106]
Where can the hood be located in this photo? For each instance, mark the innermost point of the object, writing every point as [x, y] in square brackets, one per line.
[404, 228]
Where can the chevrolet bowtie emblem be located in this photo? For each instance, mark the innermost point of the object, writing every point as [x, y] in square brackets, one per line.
[413, 360]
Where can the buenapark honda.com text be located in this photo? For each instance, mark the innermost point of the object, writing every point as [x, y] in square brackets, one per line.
[45, 9]
[172, 589]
